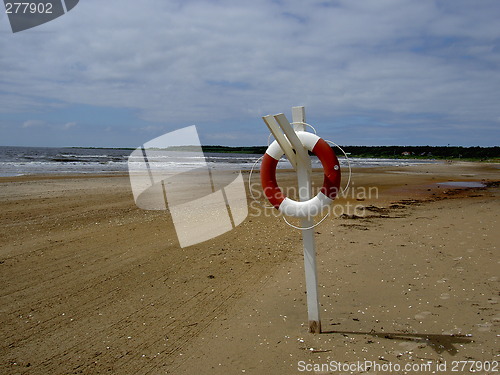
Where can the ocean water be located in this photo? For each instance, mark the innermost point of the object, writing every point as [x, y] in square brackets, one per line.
[463, 184]
[18, 161]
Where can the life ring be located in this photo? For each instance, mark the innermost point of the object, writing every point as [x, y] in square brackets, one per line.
[331, 181]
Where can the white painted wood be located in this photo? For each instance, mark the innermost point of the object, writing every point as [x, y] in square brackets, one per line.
[305, 192]
[300, 151]
[299, 113]
[276, 131]
[288, 140]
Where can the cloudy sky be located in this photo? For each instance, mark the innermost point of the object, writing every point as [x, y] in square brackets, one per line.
[370, 72]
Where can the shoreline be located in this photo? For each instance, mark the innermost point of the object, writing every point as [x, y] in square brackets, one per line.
[93, 284]
[88, 161]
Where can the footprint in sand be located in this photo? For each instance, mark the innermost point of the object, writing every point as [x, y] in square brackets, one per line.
[453, 331]
[422, 315]
[484, 327]
[445, 296]
[408, 347]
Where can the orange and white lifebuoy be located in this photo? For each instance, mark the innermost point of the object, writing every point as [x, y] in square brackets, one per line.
[327, 193]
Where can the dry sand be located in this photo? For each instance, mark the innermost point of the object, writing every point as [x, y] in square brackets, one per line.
[91, 284]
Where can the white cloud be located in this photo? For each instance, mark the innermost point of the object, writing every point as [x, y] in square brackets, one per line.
[32, 123]
[69, 125]
[153, 129]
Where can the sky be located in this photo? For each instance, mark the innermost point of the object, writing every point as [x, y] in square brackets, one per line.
[118, 73]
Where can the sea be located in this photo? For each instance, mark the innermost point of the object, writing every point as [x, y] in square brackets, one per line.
[19, 161]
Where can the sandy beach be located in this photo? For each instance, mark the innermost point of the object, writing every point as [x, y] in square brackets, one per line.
[407, 266]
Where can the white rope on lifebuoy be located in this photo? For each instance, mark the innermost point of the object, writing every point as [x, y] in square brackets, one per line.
[343, 190]
[250, 178]
[348, 165]
[331, 182]
[306, 228]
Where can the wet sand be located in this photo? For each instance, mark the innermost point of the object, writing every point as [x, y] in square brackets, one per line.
[408, 274]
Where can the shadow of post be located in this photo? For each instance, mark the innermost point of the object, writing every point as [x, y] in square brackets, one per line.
[439, 343]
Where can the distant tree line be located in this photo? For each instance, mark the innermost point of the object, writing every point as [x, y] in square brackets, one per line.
[236, 150]
[438, 152]
[432, 152]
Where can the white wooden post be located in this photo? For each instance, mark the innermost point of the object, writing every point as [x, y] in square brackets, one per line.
[287, 138]
[305, 193]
